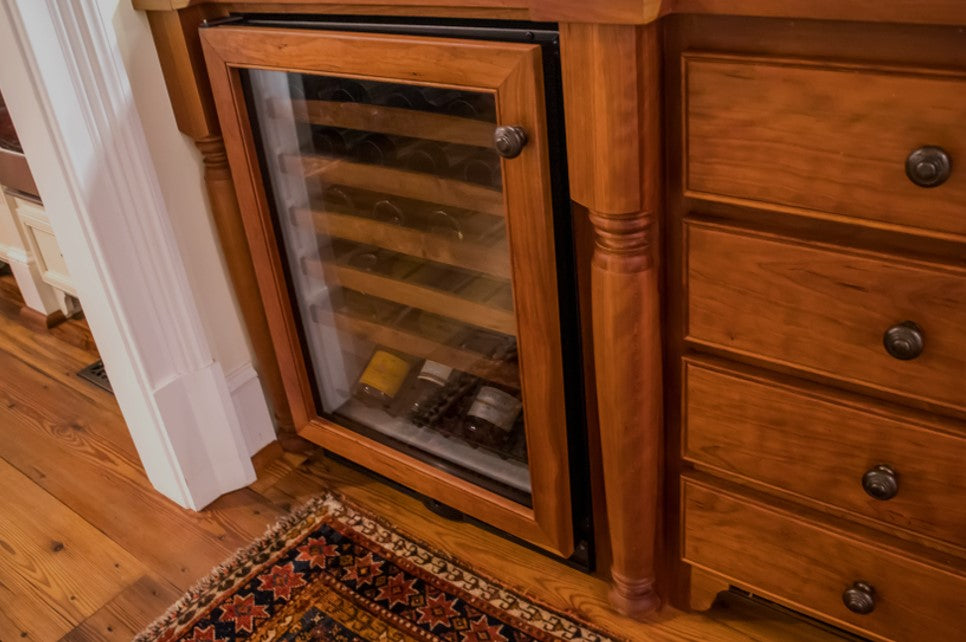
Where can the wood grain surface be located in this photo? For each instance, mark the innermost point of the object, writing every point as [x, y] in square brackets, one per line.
[389, 120]
[603, 115]
[825, 309]
[808, 564]
[604, 11]
[491, 258]
[826, 148]
[615, 150]
[399, 182]
[817, 444]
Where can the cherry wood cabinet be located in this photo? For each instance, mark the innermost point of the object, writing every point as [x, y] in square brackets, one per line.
[814, 284]
[773, 195]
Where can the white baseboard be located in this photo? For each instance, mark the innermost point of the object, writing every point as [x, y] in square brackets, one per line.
[250, 403]
[36, 294]
[203, 429]
[13, 254]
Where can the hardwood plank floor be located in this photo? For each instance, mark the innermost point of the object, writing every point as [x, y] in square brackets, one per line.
[89, 551]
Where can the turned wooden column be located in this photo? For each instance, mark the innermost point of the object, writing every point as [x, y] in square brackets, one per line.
[176, 37]
[611, 85]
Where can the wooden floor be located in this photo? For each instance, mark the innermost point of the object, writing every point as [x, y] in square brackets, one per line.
[88, 551]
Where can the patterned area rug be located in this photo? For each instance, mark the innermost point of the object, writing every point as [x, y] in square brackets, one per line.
[333, 572]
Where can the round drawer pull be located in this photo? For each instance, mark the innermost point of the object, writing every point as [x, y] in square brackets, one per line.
[928, 166]
[904, 341]
[509, 141]
[880, 482]
[859, 598]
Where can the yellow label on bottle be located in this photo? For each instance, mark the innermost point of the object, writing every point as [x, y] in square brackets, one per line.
[386, 373]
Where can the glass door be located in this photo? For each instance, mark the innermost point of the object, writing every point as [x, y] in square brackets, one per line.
[396, 195]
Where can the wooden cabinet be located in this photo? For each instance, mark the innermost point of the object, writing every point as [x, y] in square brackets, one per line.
[815, 231]
[834, 574]
[769, 208]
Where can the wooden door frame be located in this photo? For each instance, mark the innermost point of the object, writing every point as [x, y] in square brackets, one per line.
[86, 144]
[514, 73]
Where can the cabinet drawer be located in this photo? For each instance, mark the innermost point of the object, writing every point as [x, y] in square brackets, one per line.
[810, 565]
[829, 139]
[821, 446]
[827, 310]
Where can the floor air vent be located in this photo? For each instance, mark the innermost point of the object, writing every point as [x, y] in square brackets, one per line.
[96, 374]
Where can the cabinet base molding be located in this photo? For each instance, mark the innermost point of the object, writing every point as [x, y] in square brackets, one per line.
[39, 321]
[705, 587]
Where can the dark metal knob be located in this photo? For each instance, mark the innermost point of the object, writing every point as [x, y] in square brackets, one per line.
[904, 341]
[880, 482]
[859, 598]
[509, 141]
[928, 166]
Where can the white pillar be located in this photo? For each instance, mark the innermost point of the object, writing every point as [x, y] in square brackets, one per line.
[66, 88]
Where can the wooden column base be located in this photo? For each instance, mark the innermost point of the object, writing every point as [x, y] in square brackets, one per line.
[39, 321]
[633, 598]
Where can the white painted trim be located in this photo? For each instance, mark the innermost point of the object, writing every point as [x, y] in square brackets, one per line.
[249, 400]
[14, 254]
[86, 147]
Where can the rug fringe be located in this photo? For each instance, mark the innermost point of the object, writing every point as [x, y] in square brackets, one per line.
[218, 573]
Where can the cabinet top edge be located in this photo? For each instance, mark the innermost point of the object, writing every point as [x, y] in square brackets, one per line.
[922, 12]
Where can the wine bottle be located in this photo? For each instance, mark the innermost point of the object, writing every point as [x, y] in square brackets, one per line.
[437, 98]
[406, 97]
[428, 384]
[427, 156]
[482, 167]
[443, 222]
[341, 90]
[383, 378]
[380, 261]
[374, 149]
[491, 416]
[328, 141]
[445, 411]
[337, 198]
[475, 106]
[389, 210]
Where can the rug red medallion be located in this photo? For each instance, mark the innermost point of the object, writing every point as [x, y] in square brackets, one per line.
[331, 572]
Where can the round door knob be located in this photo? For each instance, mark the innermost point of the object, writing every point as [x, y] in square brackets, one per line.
[859, 598]
[880, 482]
[509, 141]
[904, 341]
[928, 166]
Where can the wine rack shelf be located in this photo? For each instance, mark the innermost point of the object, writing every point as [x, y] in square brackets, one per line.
[435, 301]
[502, 372]
[394, 121]
[398, 182]
[493, 259]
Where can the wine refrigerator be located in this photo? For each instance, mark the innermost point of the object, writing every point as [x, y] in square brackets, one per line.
[404, 194]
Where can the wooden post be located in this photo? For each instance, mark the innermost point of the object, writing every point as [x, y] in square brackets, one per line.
[611, 91]
[176, 37]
